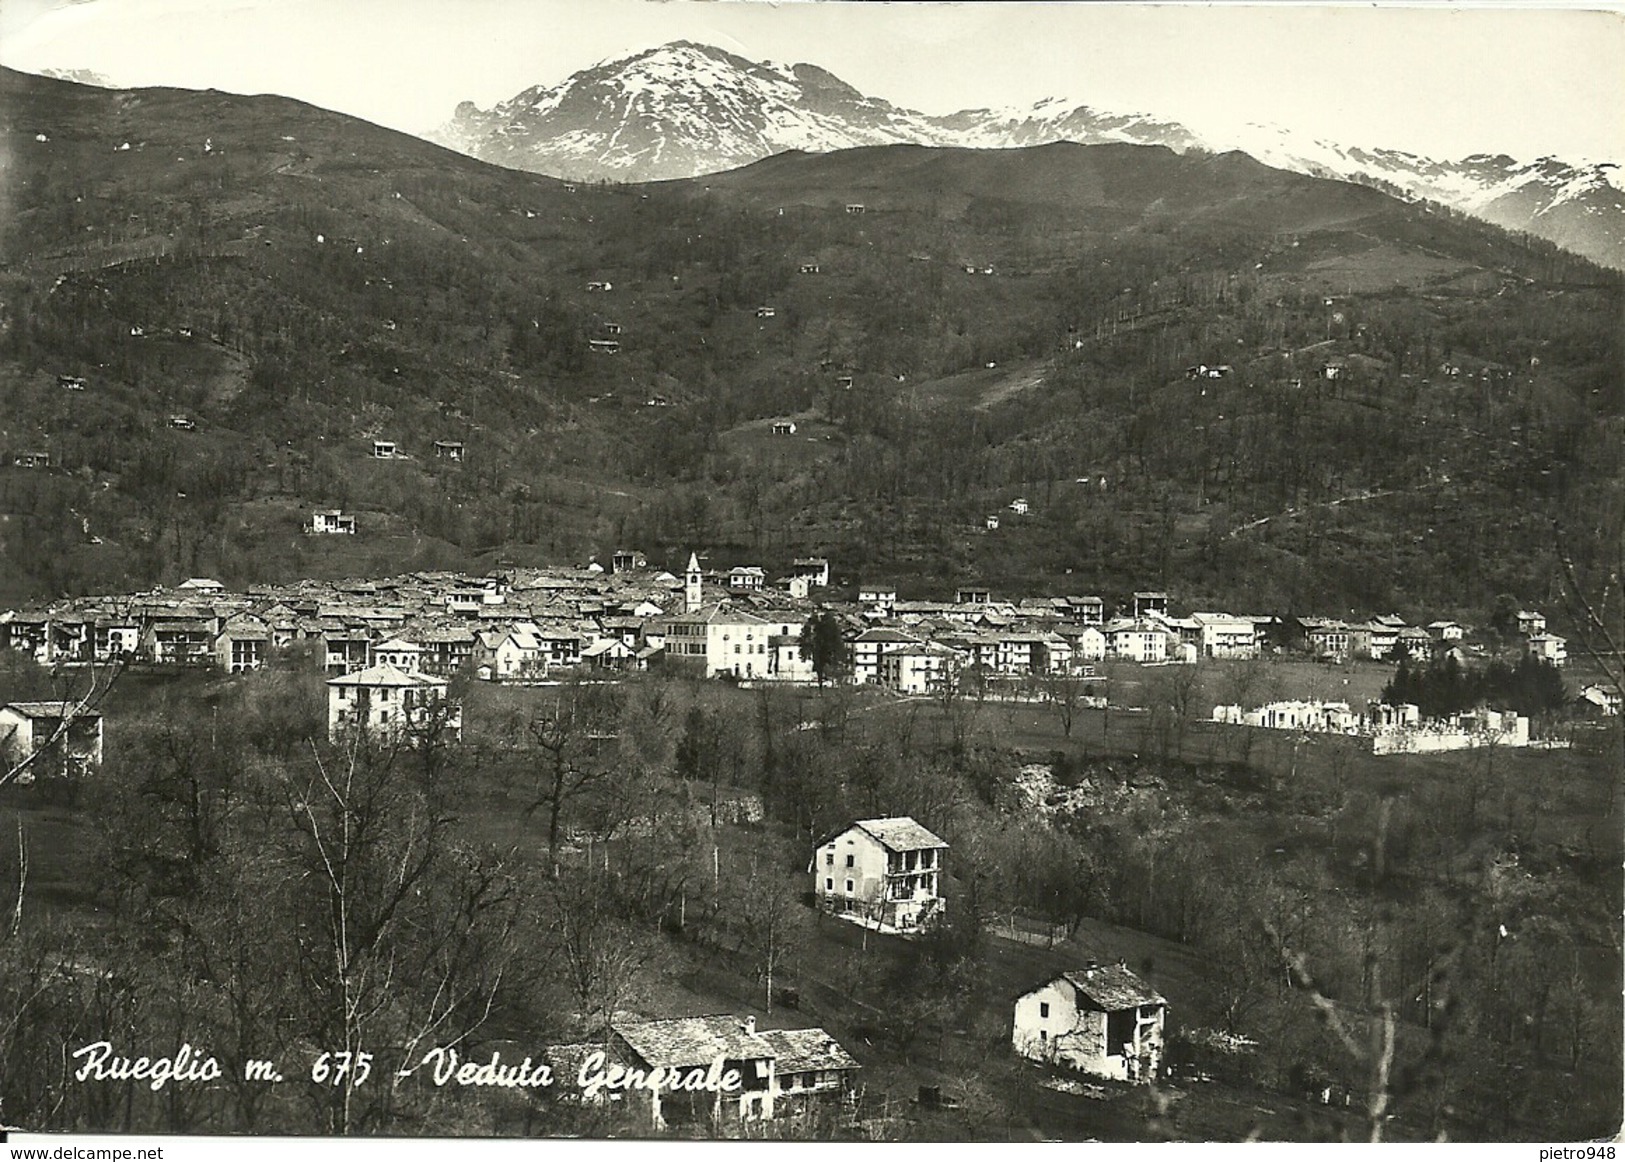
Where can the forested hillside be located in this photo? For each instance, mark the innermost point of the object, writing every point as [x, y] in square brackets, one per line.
[1396, 403]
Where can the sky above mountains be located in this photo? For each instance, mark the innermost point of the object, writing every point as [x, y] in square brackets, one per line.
[1527, 81]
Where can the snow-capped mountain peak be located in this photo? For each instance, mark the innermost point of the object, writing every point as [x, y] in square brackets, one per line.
[684, 109]
[675, 111]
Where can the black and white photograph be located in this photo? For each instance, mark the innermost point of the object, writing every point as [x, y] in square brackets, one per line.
[680, 570]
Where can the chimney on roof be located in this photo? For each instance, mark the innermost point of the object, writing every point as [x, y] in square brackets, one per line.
[750, 1024]
[1121, 963]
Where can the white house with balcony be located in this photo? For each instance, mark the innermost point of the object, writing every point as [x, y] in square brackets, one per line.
[883, 873]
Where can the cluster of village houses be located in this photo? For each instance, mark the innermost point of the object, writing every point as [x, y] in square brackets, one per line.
[391, 646]
[1391, 729]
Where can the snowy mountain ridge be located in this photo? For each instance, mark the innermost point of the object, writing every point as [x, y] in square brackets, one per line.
[685, 109]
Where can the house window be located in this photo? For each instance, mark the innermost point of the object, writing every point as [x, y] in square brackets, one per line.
[829, 859]
[849, 887]
[849, 860]
[829, 885]
[1043, 1008]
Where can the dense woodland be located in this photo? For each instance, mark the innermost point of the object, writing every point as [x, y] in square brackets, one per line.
[585, 851]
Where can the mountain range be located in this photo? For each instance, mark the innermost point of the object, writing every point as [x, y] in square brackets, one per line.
[212, 305]
[686, 109]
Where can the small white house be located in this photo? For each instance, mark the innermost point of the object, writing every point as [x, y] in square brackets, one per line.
[1446, 631]
[384, 450]
[516, 655]
[1089, 643]
[880, 601]
[1548, 647]
[885, 873]
[1099, 1019]
[784, 427]
[815, 569]
[332, 520]
[1598, 698]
